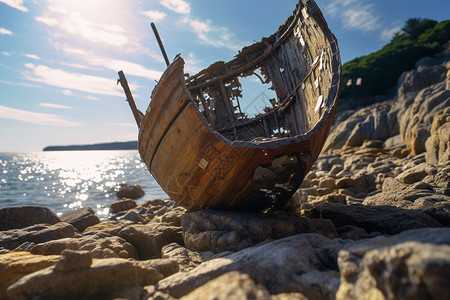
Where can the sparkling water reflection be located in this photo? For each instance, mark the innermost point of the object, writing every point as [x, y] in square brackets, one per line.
[69, 180]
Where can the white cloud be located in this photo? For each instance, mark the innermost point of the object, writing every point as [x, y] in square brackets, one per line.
[212, 35]
[155, 16]
[192, 64]
[17, 4]
[6, 53]
[178, 6]
[131, 125]
[115, 65]
[70, 93]
[73, 81]
[35, 117]
[360, 18]
[96, 22]
[354, 15]
[93, 98]
[5, 31]
[387, 34]
[53, 105]
[32, 56]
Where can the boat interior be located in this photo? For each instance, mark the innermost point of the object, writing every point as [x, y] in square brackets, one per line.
[296, 70]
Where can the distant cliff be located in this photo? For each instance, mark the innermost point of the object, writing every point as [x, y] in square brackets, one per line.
[104, 146]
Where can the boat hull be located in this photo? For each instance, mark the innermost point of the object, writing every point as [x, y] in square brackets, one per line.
[200, 168]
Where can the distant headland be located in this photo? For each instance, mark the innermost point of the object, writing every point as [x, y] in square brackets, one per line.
[133, 145]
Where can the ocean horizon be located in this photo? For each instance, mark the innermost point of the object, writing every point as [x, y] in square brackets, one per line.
[69, 180]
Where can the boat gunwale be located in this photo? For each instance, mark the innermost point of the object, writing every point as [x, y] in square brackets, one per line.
[333, 92]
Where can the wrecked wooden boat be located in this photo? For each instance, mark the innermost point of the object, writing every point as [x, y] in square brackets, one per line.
[206, 153]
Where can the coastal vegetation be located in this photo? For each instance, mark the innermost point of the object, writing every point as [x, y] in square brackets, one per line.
[379, 71]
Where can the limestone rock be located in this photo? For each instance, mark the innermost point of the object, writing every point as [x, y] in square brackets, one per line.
[418, 196]
[165, 267]
[187, 259]
[232, 285]
[414, 174]
[104, 279]
[374, 122]
[383, 219]
[15, 265]
[111, 227]
[438, 144]
[23, 216]
[219, 231]
[122, 205]
[411, 265]
[416, 120]
[149, 239]
[80, 218]
[73, 261]
[132, 191]
[304, 263]
[41, 233]
[100, 245]
[172, 217]
[132, 216]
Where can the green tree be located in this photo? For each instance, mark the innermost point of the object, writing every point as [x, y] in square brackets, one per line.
[380, 70]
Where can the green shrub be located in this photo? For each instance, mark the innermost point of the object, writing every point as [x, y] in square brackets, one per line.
[380, 70]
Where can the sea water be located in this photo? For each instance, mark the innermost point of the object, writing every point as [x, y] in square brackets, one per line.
[68, 180]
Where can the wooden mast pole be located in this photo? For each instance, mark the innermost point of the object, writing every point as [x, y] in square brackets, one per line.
[138, 115]
[161, 46]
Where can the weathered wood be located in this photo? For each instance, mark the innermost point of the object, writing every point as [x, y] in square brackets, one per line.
[161, 46]
[138, 116]
[236, 163]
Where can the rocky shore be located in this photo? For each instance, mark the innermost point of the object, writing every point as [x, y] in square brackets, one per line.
[371, 221]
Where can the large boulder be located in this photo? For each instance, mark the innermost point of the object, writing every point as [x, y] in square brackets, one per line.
[15, 265]
[77, 276]
[411, 265]
[149, 239]
[304, 263]
[219, 231]
[383, 219]
[23, 216]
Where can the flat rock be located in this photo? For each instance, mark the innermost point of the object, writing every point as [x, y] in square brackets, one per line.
[81, 218]
[149, 239]
[414, 264]
[219, 231]
[100, 245]
[104, 279]
[15, 265]
[40, 233]
[23, 216]
[383, 219]
[304, 263]
[419, 196]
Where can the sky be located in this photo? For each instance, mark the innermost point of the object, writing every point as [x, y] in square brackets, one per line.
[59, 58]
